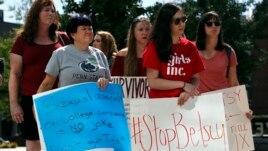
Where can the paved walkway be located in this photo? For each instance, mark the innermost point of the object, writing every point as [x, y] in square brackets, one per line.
[14, 149]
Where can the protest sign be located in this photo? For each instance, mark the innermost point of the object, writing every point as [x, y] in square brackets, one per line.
[133, 87]
[239, 129]
[161, 124]
[82, 117]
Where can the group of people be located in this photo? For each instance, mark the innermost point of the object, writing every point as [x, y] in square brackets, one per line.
[43, 58]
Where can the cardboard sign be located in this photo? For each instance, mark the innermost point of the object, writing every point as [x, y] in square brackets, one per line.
[161, 124]
[239, 129]
[133, 87]
[82, 117]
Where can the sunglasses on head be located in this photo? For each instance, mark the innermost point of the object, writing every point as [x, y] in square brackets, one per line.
[177, 21]
[216, 23]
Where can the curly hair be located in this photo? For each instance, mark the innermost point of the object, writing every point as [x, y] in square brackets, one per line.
[108, 43]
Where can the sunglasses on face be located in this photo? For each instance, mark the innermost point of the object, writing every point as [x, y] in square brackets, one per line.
[177, 21]
[216, 23]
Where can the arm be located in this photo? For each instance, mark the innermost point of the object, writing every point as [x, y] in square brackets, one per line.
[161, 84]
[47, 83]
[13, 86]
[192, 87]
[232, 77]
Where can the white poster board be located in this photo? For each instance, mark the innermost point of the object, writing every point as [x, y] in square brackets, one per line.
[161, 124]
[235, 100]
[133, 87]
[238, 126]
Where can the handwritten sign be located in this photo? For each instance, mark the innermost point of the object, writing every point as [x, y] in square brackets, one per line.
[82, 117]
[160, 124]
[133, 87]
[239, 129]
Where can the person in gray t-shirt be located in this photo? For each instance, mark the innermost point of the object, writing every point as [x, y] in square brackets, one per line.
[77, 62]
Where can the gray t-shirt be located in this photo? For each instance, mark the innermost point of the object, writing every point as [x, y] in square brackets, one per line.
[74, 66]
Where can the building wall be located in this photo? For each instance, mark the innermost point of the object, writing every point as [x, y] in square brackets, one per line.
[6, 27]
[260, 83]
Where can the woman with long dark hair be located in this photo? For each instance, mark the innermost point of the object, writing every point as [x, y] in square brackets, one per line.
[218, 57]
[172, 62]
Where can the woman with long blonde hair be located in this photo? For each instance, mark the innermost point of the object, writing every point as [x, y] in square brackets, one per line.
[128, 61]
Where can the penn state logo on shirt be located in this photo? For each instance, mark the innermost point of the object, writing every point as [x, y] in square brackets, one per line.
[89, 65]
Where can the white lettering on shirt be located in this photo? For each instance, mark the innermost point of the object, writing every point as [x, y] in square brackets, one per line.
[175, 59]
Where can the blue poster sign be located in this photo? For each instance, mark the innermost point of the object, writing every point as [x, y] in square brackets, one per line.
[82, 117]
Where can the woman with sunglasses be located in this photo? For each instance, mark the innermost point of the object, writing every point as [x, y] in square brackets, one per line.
[220, 70]
[211, 48]
[172, 62]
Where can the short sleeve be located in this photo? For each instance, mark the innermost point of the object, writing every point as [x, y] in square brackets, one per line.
[233, 61]
[150, 57]
[17, 47]
[106, 65]
[53, 66]
[198, 64]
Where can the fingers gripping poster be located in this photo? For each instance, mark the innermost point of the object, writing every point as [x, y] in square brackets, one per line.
[82, 117]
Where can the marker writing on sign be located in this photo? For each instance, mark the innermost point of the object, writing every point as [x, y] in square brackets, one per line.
[180, 134]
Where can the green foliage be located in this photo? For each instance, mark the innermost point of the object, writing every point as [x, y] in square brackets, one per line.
[260, 19]
[114, 16]
[151, 11]
[5, 46]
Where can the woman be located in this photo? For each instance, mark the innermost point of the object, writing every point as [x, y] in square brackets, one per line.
[77, 62]
[220, 70]
[172, 62]
[213, 52]
[128, 62]
[28, 58]
[105, 41]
